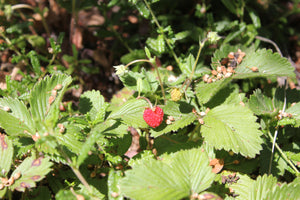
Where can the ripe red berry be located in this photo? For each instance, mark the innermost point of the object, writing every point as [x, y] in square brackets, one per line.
[153, 117]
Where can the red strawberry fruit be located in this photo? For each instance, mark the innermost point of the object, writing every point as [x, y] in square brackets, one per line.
[153, 116]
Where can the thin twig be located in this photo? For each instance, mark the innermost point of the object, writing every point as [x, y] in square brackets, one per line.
[269, 41]
[283, 155]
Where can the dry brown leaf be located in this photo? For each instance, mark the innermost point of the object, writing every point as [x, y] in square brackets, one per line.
[217, 165]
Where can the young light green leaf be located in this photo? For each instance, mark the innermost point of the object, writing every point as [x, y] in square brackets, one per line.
[182, 114]
[45, 98]
[6, 154]
[186, 174]
[35, 62]
[30, 171]
[232, 127]
[268, 64]
[131, 113]
[93, 105]
[187, 67]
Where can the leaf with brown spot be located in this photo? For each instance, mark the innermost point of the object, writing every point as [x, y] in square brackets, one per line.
[37, 162]
[32, 170]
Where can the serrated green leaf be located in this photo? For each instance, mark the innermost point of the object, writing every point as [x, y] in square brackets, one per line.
[35, 62]
[86, 147]
[206, 91]
[141, 6]
[6, 154]
[265, 187]
[93, 105]
[18, 120]
[186, 174]
[157, 45]
[45, 112]
[67, 139]
[32, 170]
[232, 127]
[131, 113]
[285, 191]
[182, 114]
[261, 104]
[268, 64]
[12, 125]
[187, 67]
[242, 187]
[262, 186]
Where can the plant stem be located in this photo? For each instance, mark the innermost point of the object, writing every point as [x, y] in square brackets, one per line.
[269, 41]
[189, 80]
[276, 132]
[161, 30]
[75, 169]
[283, 155]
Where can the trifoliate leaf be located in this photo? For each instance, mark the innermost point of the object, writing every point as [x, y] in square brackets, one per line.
[31, 171]
[261, 104]
[6, 154]
[182, 114]
[131, 113]
[232, 127]
[187, 173]
[268, 64]
[93, 105]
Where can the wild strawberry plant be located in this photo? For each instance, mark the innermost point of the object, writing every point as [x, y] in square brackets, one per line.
[224, 131]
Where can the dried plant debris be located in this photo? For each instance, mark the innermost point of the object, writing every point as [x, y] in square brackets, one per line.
[226, 68]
